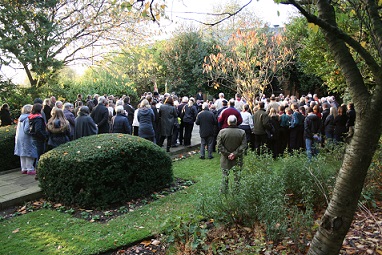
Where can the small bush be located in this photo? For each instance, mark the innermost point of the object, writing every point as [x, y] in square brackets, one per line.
[99, 170]
[7, 140]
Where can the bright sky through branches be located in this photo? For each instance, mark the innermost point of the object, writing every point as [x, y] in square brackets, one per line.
[266, 10]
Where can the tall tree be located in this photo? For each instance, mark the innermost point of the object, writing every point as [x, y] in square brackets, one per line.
[250, 62]
[43, 36]
[358, 54]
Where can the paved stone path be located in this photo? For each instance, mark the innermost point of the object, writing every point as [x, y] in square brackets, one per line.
[17, 188]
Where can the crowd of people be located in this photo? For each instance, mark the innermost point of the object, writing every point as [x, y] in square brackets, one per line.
[282, 123]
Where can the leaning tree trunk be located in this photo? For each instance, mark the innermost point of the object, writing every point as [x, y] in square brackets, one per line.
[359, 153]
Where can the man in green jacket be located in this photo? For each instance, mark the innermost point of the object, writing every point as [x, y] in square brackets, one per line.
[231, 143]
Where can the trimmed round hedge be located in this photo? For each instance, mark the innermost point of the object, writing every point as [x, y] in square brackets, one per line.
[7, 141]
[99, 170]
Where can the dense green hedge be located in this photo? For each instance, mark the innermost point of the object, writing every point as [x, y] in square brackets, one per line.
[7, 141]
[99, 170]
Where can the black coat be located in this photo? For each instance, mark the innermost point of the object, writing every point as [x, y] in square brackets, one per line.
[121, 124]
[100, 115]
[207, 121]
[5, 117]
[84, 126]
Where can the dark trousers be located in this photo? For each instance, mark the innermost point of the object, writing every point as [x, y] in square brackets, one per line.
[168, 145]
[175, 135]
[188, 127]
[284, 139]
[260, 140]
[209, 140]
[181, 132]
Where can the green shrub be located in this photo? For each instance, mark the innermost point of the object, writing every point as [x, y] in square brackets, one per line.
[275, 193]
[7, 140]
[99, 170]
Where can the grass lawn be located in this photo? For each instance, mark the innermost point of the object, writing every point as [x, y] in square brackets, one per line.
[50, 232]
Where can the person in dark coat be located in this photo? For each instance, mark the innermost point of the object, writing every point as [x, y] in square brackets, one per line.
[47, 109]
[168, 116]
[58, 129]
[189, 116]
[120, 122]
[351, 119]
[129, 109]
[84, 124]
[5, 115]
[180, 111]
[146, 120]
[312, 126]
[37, 128]
[100, 115]
[340, 122]
[260, 124]
[206, 120]
[69, 115]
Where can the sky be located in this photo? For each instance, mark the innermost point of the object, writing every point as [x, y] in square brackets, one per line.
[266, 10]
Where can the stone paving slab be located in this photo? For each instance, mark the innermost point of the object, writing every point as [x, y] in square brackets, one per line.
[17, 188]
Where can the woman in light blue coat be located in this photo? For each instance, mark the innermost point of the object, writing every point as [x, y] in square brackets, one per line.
[24, 147]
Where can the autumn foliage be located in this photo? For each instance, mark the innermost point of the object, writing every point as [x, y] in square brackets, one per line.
[100, 170]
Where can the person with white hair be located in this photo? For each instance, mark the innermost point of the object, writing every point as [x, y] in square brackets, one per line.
[232, 144]
[120, 123]
[206, 120]
[100, 115]
[219, 101]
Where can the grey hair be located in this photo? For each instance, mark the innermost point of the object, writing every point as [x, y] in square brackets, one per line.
[205, 105]
[58, 104]
[67, 105]
[119, 109]
[102, 100]
[232, 120]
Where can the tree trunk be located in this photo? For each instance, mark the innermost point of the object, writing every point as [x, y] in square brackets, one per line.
[359, 153]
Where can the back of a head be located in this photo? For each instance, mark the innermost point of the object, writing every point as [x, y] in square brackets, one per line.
[126, 100]
[67, 106]
[119, 109]
[36, 108]
[101, 100]
[261, 105]
[232, 120]
[224, 102]
[84, 110]
[232, 102]
[205, 106]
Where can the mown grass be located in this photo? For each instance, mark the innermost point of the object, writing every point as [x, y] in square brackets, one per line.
[50, 232]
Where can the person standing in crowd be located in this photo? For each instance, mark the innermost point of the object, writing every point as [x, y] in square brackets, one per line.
[274, 142]
[120, 123]
[47, 109]
[324, 114]
[227, 112]
[312, 124]
[239, 102]
[180, 111]
[273, 104]
[260, 124]
[329, 124]
[247, 124]
[84, 124]
[206, 120]
[129, 109]
[100, 115]
[69, 115]
[146, 119]
[23, 142]
[5, 115]
[152, 103]
[167, 116]
[216, 129]
[340, 124]
[37, 128]
[189, 116]
[58, 129]
[296, 129]
[351, 119]
[218, 113]
[135, 124]
[231, 144]
[285, 120]
[52, 102]
[219, 101]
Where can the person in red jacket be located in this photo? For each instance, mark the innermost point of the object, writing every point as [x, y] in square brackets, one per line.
[231, 110]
